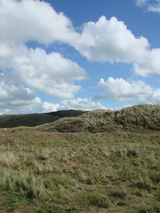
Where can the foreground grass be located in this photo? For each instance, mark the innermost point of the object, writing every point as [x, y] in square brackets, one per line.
[51, 172]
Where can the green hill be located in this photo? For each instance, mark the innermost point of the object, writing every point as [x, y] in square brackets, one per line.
[31, 120]
[133, 118]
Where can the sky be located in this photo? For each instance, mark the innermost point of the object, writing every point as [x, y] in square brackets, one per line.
[86, 54]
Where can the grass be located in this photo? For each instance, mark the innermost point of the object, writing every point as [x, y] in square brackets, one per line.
[85, 172]
[101, 161]
[136, 118]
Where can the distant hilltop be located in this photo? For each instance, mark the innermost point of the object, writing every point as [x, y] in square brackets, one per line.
[31, 120]
[132, 118]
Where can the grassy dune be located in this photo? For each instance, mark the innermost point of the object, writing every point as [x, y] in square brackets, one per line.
[90, 168]
[141, 117]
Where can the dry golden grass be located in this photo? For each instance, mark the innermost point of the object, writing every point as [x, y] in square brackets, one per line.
[52, 172]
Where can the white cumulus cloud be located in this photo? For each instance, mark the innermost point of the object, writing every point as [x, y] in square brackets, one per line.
[24, 70]
[81, 104]
[76, 104]
[122, 90]
[153, 98]
[50, 73]
[13, 97]
[104, 40]
[110, 40]
[48, 107]
[22, 21]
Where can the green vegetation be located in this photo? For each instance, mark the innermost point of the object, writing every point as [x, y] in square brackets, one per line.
[91, 168]
[7, 121]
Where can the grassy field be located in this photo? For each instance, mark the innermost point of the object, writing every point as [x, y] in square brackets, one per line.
[51, 170]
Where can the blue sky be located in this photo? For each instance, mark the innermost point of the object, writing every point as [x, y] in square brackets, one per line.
[88, 55]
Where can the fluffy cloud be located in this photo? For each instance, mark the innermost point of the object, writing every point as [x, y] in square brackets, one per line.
[9, 52]
[152, 5]
[77, 104]
[15, 107]
[122, 90]
[104, 40]
[16, 99]
[50, 73]
[13, 97]
[82, 104]
[22, 21]
[110, 40]
[48, 107]
[148, 63]
[153, 98]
